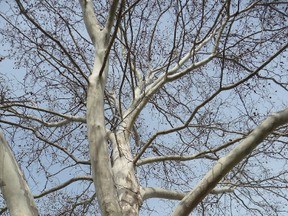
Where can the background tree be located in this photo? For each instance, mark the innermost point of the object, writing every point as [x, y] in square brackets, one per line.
[164, 88]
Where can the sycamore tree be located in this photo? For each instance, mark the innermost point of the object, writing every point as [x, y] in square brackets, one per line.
[113, 103]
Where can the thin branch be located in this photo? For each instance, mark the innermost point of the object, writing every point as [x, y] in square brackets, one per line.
[24, 12]
[108, 30]
[8, 104]
[155, 192]
[63, 185]
[42, 138]
[225, 88]
[199, 155]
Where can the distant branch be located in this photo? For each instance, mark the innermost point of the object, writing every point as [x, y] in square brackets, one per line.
[217, 92]
[42, 138]
[48, 35]
[68, 118]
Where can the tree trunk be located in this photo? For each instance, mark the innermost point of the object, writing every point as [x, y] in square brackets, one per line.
[98, 145]
[128, 188]
[14, 188]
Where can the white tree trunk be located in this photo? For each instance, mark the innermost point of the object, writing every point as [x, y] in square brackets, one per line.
[98, 145]
[118, 191]
[128, 188]
[14, 188]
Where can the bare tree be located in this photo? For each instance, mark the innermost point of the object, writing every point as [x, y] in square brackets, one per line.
[140, 99]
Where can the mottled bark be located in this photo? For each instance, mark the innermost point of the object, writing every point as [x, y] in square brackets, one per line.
[128, 188]
[116, 187]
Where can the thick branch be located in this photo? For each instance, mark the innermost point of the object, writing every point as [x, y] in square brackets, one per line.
[92, 25]
[98, 148]
[225, 164]
[111, 16]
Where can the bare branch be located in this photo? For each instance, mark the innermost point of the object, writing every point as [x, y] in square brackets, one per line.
[63, 185]
[154, 192]
[218, 91]
[204, 154]
[34, 22]
[68, 118]
[226, 163]
[112, 15]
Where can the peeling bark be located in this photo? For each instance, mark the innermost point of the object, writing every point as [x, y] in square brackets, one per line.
[128, 188]
[118, 191]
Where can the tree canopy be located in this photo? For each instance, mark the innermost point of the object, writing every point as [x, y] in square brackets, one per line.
[147, 99]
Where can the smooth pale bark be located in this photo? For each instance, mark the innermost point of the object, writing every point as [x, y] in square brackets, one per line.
[98, 148]
[14, 188]
[226, 163]
[98, 145]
